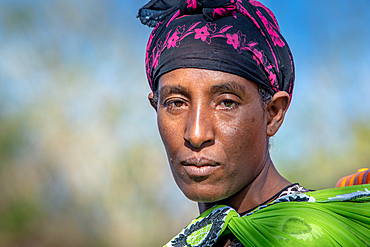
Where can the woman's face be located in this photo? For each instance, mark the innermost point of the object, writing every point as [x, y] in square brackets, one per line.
[213, 126]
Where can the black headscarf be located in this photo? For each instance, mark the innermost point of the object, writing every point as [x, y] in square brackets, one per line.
[241, 37]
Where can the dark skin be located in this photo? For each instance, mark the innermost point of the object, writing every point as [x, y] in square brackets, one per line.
[216, 130]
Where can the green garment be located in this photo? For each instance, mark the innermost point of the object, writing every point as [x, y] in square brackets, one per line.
[331, 217]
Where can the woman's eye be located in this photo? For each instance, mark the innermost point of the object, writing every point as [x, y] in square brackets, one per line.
[229, 104]
[175, 105]
[178, 103]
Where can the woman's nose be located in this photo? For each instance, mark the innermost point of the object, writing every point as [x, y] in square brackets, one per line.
[199, 131]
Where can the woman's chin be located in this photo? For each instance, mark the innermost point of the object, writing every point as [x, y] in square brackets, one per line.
[204, 196]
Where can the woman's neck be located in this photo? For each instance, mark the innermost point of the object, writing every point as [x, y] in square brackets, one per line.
[264, 186]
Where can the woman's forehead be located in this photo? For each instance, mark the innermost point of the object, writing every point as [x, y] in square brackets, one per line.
[187, 79]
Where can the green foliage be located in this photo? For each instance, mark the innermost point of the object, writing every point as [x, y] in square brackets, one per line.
[16, 219]
[11, 138]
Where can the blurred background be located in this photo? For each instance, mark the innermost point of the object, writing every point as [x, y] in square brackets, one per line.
[81, 161]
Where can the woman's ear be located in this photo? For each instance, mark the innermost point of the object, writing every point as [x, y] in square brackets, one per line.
[153, 101]
[276, 110]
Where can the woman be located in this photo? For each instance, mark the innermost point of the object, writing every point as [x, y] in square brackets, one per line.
[222, 78]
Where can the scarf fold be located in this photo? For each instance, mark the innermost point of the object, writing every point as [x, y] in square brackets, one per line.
[241, 37]
[332, 217]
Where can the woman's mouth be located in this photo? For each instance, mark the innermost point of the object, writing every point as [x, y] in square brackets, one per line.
[200, 171]
[200, 167]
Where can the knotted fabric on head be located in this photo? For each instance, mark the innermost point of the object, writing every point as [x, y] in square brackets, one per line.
[241, 37]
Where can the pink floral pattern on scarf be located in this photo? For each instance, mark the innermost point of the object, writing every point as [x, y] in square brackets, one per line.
[206, 34]
[203, 34]
[173, 39]
[192, 4]
[172, 42]
[271, 30]
[236, 40]
[263, 18]
[258, 4]
[262, 61]
[224, 11]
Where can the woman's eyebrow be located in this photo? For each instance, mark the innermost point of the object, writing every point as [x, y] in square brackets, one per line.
[231, 87]
[167, 90]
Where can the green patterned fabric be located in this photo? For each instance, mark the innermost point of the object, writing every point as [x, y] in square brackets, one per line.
[331, 217]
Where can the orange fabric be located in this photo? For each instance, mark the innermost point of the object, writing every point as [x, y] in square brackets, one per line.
[361, 177]
[348, 178]
[341, 182]
[364, 178]
[352, 178]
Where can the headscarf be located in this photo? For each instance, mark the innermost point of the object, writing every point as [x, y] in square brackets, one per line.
[241, 37]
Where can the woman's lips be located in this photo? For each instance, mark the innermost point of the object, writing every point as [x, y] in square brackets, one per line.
[200, 171]
[200, 167]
